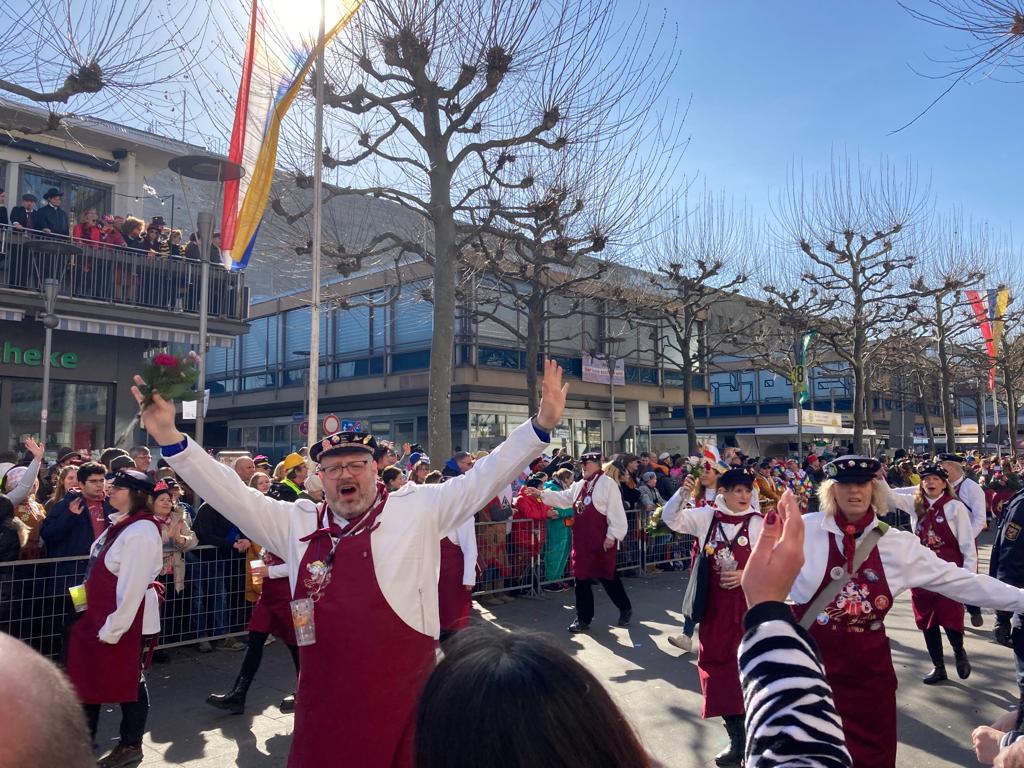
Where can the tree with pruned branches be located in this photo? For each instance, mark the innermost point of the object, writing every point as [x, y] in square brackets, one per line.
[429, 104]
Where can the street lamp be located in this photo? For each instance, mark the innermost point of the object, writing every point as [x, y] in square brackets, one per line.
[50, 321]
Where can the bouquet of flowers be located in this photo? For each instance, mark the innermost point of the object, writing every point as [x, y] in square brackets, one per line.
[174, 378]
[655, 526]
[695, 467]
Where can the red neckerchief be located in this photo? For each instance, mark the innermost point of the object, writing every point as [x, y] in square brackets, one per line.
[588, 489]
[365, 523]
[932, 510]
[850, 531]
[733, 519]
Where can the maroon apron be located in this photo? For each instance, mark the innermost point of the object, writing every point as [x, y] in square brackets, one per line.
[851, 638]
[272, 613]
[721, 629]
[359, 683]
[589, 531]
[930, 608]
[453, 599]
[104, 673]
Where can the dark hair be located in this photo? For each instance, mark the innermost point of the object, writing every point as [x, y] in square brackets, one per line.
[532, 705]
[433, 478]
[6, 509]
[141, 501]
[390, 474]
[536, 480]
[110, 454]
[89, 469]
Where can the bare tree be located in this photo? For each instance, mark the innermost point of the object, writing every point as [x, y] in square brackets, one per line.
[854, 228]
[699, 262]
[430, 101]
[105, 57]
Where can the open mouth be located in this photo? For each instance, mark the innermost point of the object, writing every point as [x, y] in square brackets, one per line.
[347, 491]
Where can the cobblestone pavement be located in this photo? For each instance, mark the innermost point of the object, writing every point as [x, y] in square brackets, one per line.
[653, 682]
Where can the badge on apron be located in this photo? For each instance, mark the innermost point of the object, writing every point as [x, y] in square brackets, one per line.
[586, 501]
[875, 626]
[870, 575]
[709, 549]
[823, 618]
[881, 603]
[940, 519]
[743, 541]
[837, 573]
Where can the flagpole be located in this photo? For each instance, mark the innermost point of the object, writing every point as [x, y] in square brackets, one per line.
[312, 418]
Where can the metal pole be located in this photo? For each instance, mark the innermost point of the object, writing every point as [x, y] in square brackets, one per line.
[205, 222]
[314, 320]
[44, 414]
[995, 421]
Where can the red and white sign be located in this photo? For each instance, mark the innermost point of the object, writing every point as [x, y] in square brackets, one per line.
[331, 424]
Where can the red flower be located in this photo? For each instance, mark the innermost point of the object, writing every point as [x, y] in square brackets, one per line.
[166, 361]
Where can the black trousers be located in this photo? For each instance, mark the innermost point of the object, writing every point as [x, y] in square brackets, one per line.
[585, 597]
[254, 655]
[933, 641]
[133, 717]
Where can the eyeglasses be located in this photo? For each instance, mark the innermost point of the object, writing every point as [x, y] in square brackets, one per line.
[336, 470]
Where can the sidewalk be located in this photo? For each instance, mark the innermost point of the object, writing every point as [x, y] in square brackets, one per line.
[651, 680]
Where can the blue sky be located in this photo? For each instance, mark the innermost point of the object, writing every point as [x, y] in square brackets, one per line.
[780, 82]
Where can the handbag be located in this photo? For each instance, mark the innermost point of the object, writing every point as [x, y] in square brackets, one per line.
[696, 595]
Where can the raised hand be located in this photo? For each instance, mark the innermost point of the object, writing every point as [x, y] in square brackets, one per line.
[36, 449]
[552, 396]
[158, 418]
[778, 555]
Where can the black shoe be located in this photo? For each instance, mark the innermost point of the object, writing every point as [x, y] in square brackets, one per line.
[963, 664]
[233, 702]
[578, 626]
[624, 618]
[937, 675]
[732, 756]
[287, 704]
[977, 620]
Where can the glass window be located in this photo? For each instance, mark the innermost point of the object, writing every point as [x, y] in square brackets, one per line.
[410, 361]
[414, 318]
[260, 344]
[250, 437]
[405, 432]
[775, 388]
[234, 437]
[296, 333]
[501, 358]
[79, 194]
[353, 335]
[564, 333]
[499, 300]
[78, 413]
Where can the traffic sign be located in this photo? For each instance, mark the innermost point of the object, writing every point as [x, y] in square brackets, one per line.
[331, 424]
[304, 428]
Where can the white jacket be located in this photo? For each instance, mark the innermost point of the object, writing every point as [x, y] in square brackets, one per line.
[907, 563]
[406, 544]
[696, 521]
[956, 514]
[136, 558]
[607, 500]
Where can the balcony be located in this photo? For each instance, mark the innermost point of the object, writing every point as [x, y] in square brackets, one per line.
[109, 284]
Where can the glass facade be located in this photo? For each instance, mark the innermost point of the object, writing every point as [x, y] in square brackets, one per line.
[79, 414]
[79, 194]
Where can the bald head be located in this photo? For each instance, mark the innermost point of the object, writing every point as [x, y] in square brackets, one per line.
[245, 468]
[41, 721]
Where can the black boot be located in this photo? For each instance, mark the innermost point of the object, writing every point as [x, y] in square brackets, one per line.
[233, 702]
[287, 703]
[933, 641]
[732, 755]
[963, 664]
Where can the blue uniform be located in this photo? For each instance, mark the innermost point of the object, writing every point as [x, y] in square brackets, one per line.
[1007, 564]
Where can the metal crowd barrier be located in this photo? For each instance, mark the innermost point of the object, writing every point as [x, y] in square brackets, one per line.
[117, 275]
[213, 603]
[35, 606]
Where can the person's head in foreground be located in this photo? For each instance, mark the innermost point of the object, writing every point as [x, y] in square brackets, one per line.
[529, 704]
[41, 721]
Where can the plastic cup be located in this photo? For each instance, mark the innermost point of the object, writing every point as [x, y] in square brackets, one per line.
[254, 565]
[302, 618]
[77, 593]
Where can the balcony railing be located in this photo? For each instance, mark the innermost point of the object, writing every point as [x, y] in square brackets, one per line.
[117, 276]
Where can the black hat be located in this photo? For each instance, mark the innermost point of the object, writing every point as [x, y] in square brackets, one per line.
[852, 469]
[949, 457]
[591, 456]
[131, 479]
[29, 196]
[932, 469]
[737, 476]
[122, 462]
[343, 442]
[69, 454]
[52, 192]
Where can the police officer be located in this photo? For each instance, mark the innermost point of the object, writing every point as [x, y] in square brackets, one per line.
[1006, 563]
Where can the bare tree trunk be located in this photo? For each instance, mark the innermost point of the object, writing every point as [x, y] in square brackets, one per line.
[439, 397]
[1011, 411]
[922, 403]
[979, 405]
[858, 404]
[945, 385]
[533, 340]
[691, 422]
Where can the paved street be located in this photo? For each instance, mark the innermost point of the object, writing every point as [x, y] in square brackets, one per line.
[654, 684]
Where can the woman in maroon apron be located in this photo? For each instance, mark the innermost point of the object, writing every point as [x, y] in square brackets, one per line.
[943, 525]
[272, 615]
[849, 628]
[105, 651]
[454, 595]
[730, 529]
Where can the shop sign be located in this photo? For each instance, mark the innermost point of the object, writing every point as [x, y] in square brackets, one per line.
[33, 357]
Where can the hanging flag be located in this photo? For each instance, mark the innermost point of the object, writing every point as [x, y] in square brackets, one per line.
[989, 313]
[798, 377]
[281, 49]
[998, 312]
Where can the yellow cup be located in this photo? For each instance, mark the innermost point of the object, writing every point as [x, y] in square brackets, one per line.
[77, 593]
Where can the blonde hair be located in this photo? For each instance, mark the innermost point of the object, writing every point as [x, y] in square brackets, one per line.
[919, 497]
[827, 498]
[612, 471]
[256, 477]
[564, 476]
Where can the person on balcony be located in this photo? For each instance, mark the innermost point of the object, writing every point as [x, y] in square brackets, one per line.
[51, 218]
[87, 229]
[110, 234]
[23, 216]
[3, 208]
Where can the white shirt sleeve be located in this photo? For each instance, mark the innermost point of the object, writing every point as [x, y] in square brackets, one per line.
[466, 539]
[960, 522]
[562, 499]
[608, 496]
[279, 571]
[21, 491]
[692, 520]
[137, 558]
[973, 497]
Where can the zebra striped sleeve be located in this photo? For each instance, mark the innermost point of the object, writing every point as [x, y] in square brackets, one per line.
[791, 718]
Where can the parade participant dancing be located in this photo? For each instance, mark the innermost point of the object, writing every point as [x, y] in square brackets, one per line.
[943, 525]
[727, 531]
[599, 525]
[122, 609]
[854, 566]
[973, 497]
[272, 615]
[363, 566]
